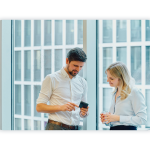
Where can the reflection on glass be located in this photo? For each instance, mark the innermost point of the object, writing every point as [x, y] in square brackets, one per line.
[121, 31]
[27, 100]
[37, 125]
[17, 124]
[47, 62]
[18, 65]
[67, 50]
[27, 124]
[27, 33]
[47, 32]
[37, 89]
[17, 33]
[147, 30]
[107, 60]
[27, 65]
[45, 124]
[147, 64]
[37, 32]
[107, 96]
[18, 99]
[58, 59]
[135, 30]
[147, 97]
[58, 32]
[37, 65]
[122, 54]
[69, 32]
[136, 63]
[107, 31]
[80, 31]
[45, 115]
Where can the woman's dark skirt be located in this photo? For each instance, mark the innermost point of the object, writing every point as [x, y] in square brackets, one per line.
[122, 127]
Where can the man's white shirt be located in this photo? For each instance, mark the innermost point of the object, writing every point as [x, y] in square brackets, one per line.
[59, 89]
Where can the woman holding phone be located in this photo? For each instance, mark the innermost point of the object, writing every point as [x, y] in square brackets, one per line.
[128, 109]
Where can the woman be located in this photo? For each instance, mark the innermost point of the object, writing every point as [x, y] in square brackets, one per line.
[128, 109]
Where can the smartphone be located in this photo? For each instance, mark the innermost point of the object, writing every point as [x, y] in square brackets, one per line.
[83, 104]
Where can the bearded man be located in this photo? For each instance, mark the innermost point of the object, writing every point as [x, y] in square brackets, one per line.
[64, 90]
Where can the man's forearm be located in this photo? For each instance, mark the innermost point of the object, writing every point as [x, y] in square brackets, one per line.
[48, 108]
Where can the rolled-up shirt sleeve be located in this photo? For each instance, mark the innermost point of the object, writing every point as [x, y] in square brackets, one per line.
[139, 108]
[84, 99]
[46, 91]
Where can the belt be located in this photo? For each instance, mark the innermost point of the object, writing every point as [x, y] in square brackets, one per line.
[63, 125]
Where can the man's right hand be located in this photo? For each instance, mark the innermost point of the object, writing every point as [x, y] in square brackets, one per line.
[69, 107]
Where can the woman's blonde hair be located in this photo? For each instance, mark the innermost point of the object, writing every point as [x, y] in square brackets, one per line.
[119, 70]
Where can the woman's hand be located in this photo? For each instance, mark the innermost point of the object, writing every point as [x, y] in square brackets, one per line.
[107, 118]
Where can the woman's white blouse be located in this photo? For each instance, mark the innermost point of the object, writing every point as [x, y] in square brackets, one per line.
[132, 110]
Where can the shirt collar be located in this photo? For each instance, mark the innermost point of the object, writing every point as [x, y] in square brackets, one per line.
[65, 74]
[116, 92]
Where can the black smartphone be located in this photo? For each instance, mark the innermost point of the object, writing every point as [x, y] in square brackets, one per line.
[83, 104]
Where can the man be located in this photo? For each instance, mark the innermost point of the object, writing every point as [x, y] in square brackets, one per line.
[64, 90]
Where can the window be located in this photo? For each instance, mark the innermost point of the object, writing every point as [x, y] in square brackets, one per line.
[17, 33]
[135, 30]
[121, 31]
[69, 32]
[27, 33]
[147, 30]
[37, 58]
[107, 31]
[37, 32]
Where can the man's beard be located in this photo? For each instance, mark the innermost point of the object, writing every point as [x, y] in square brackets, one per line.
[71, 72]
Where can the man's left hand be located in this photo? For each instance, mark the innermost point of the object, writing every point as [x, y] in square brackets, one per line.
[84, 111]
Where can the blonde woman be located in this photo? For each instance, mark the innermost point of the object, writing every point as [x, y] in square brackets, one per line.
[128, 110]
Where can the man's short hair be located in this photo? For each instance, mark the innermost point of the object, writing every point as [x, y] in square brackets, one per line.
[76, 54]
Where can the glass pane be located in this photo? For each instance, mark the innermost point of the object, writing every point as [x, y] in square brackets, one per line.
[121, 31]
[69, 32]
[18, 99]
[147, 30]
[45, 115]
[47, 32]
[58, 59]
[80, 31]
[18, 65]
[37, 32]
[37, 89]
[58, 32]
[45, 124]
[107, 60]
[107, 31]
[136, 63]
[17, 33]
[37, 125]
[147, 97]
[107, 97]
[147, 64]
[122, 54]
[47, 62]
[37, 65]
[27, 124]
[17, 124]
[27, 65]
[27, 100]
[135, 30]
[27, 33]
[67, 50]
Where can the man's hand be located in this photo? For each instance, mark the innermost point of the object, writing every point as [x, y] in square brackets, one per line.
[69, 107]
[83, 111]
